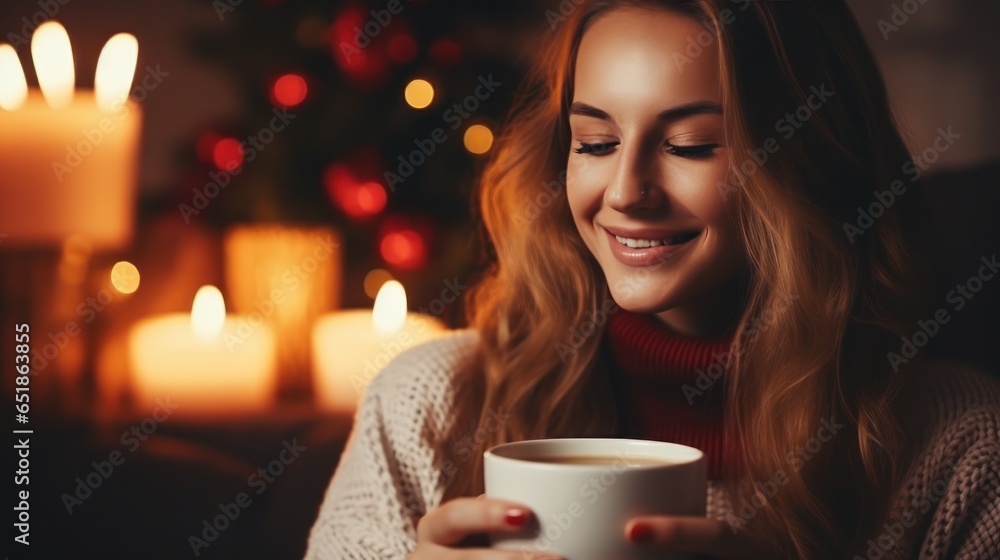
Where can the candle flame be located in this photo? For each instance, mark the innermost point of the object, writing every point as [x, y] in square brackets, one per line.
[115, 70]
[13, 87]
[53, 57]
[208, 313]
[389, 313]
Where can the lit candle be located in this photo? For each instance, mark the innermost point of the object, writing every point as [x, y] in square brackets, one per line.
[205, 362]
[352, 347]
[68, 159]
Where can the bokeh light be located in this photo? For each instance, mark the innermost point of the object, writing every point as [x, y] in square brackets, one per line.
[357, 199]
[227, 154]
[478, 139]
[374, 280]
[419, 94]
[289, 90]
[363, 63]
[125, 277]
[404, 248]
[370, 198]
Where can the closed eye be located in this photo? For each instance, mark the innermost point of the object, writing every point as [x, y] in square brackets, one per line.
[692, 152]
[596, 148]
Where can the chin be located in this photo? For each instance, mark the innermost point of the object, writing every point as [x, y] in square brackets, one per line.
[643, 300]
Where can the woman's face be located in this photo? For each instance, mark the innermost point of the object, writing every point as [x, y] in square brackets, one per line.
[647, 168]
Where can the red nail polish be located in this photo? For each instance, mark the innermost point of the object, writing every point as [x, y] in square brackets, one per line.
[640, 533]
[516, 517]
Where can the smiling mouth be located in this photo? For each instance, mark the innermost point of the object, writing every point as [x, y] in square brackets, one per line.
[650, 243]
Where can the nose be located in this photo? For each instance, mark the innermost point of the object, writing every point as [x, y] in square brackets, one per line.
[634, 184]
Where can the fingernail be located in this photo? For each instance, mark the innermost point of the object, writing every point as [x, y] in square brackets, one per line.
[516, 517]
[640, 533]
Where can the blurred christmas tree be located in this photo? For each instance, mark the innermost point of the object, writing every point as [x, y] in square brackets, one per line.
[374, 117]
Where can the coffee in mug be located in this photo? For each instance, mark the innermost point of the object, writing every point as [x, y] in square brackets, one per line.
[601, 460]
[583, 492]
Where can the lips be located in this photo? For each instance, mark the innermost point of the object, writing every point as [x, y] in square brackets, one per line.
[657, 244]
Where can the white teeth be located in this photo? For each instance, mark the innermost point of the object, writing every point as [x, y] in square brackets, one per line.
[640, 243]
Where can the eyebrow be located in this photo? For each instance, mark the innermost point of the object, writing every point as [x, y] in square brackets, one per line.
[669, 115]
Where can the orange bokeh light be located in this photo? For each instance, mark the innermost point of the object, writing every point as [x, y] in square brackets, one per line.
[478, 139]
[419, 93]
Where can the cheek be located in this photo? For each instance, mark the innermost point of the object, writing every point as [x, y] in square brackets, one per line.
[705, 195]
[583, 191]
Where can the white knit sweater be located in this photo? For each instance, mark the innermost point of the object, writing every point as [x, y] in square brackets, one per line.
[389, 476]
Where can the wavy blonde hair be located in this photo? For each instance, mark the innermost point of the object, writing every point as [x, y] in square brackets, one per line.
[822, 357]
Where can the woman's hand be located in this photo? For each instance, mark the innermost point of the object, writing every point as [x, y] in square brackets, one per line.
[694, 535]
[443, 530]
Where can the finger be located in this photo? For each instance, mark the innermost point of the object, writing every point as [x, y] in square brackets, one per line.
[696, 535]
[453, 521]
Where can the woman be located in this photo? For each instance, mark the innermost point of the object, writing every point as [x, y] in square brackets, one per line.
[671, 212]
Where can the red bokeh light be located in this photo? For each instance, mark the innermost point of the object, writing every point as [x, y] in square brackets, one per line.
[360, 59]
[289, 90]
[227, 154]
[357, 199]
[403, 248]
[370, 198]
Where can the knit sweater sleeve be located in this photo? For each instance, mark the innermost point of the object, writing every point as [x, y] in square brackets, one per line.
[388, 476]
[951, 498]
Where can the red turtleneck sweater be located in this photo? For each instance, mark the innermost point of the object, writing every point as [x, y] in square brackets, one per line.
[657, 373]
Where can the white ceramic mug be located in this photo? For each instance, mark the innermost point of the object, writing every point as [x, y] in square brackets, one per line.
[580, 510]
